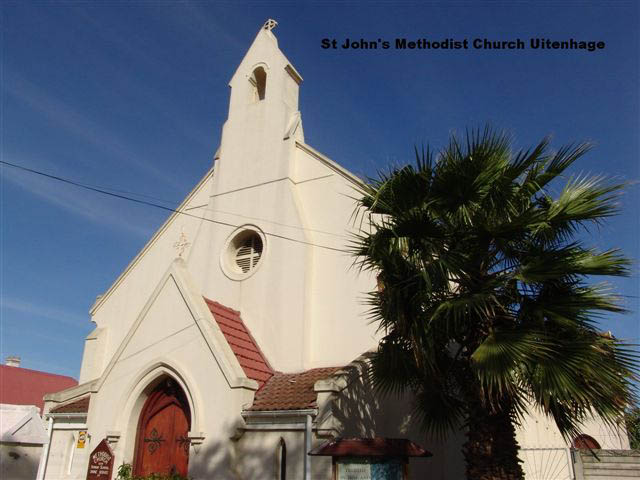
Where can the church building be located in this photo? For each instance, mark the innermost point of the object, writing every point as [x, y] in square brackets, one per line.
[233, 345]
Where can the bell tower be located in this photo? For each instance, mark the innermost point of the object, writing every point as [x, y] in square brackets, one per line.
[263, 120]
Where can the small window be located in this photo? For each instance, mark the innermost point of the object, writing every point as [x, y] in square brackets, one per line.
[259, 82]
[282, 460]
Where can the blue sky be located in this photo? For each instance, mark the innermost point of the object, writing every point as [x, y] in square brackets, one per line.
[132, 96]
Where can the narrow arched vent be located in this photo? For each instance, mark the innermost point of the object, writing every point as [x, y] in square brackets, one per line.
[258, 80]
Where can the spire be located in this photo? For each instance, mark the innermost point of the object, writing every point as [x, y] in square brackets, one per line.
[263, 120]
[266, 78]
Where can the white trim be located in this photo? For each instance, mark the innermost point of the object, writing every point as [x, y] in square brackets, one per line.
[66, 415]
[67, 395]
[227, 256]
[352, 177]
[279, 413]
[299, 427]
[22, 422]
[256, 65]
[308, 433]
[44, 457]
[69, 426]
[162, 367]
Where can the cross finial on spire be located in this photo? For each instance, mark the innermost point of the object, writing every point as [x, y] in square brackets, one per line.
[270, 24]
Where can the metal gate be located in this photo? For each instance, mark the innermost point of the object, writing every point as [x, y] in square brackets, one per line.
[547, 463]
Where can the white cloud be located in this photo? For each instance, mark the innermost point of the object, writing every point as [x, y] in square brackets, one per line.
[61, 114]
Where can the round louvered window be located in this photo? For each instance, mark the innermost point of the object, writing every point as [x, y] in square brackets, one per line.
[243, 252]
[248, 252]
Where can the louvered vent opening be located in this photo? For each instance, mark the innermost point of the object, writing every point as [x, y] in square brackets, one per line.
[248, 253]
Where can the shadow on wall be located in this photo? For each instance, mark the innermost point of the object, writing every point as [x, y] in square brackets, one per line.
[359, 412]
[19, 461]
[354, 412]
[245, 458]
[253, 456]
[256, 456]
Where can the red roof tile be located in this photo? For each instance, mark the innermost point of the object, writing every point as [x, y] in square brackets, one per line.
[21, 386]
[290, 391]
[370, 447]
[245, 348]
[78, 406]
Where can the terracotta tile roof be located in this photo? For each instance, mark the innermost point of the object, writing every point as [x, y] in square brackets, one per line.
[245, 348]
[77, 406]
[370, 447]
[290, 391]
[21, 386]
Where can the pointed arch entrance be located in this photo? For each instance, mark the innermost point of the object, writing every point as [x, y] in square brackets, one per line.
[162, 443]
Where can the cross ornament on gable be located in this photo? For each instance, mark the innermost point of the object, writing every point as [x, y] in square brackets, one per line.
[182, 244]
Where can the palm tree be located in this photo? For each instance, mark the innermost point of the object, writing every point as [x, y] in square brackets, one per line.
[483, 299]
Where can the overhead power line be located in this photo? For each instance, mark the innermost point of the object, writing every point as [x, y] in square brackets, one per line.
[161, 207]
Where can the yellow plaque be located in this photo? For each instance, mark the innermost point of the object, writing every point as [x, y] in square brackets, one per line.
[82, 438]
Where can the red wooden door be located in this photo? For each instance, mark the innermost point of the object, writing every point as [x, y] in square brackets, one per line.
[162, 445]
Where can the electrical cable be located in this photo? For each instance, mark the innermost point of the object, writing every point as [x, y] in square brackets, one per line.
[155, 205]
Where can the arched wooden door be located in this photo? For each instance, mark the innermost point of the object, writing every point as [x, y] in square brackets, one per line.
[162, 445]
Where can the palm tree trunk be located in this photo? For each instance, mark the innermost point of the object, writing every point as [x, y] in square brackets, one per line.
[491, 449]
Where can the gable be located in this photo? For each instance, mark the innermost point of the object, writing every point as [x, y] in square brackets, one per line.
[176, 318]
[21, 424]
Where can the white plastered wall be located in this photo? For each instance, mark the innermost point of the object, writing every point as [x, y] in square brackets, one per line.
[66, 461]
[539, 431]
[19, 461]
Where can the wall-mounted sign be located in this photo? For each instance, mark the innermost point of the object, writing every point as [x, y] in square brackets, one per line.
[363, 468]
[100, 462]
[82, 439]
[354, 471]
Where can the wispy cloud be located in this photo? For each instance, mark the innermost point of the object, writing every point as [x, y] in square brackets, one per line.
[126, 81]
[63, 115]
[197, 20]
[41, 311]
[88, 205]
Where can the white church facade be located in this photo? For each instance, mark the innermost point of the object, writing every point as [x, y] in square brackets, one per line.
[233, 344]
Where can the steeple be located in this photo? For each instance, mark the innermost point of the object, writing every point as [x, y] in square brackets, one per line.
[264, 75]
[263, 120]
